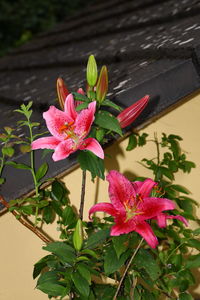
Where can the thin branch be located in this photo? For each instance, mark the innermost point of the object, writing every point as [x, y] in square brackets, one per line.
[26, 223]
[126, 270]
[82, 194]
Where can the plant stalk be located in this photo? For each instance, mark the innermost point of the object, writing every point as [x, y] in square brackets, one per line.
[27, 223]
[82, 195]
[126, 270]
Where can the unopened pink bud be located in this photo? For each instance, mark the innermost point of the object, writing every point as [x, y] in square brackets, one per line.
[62, 92]
[102, 84]
[128, 115]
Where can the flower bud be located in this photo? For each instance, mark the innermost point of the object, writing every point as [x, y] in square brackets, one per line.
[102, 84]
[128, 115]
[78, 235]
[62, 92]
[92, 72]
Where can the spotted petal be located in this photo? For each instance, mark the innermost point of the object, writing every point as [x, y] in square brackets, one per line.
[63, 150]
[92, 145]
[144, 229]
[151, 207]
[121, 190]
[84, 120]
[145, 188]
[103, 207]
[49, 142]
[69, 107]
[162, 219]
[55, 119]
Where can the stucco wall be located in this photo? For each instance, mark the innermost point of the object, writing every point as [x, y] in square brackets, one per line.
[20, 249]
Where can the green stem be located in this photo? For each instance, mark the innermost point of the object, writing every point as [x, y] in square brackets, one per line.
[33, 173]
[127, 267]
[2, 164]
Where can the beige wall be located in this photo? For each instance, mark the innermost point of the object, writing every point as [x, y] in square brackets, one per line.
[20, 249]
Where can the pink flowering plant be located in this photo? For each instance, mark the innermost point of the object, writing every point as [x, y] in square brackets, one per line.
[137, 250]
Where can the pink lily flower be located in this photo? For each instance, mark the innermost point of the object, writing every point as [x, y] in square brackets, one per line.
[69, 130]
[128, 115]
[131, 205]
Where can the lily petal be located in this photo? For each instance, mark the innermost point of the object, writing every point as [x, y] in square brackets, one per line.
[152, 206]
[104, 207]
[146, 187]
[84, 120]
[63, 150]
[69, 107]
[120, 190]
[144, 229]
[92, 145]
[49, 142]
[55, 119]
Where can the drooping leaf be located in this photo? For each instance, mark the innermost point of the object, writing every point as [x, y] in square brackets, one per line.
[41, 264]
[57, 190]
[144, 259]
[112, 263]
[52, 289]
[62, 250]
[106, 120]
[81, 284]
[120, 244]
[109, 103]
[84, 272]
[68, 216]
[97, 238]
[92, 163]
[180, 188]
[132, 143]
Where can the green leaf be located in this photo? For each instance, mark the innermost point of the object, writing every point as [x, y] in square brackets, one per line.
[92, 163]
[193, 261]
[81, 284]
[109, 103]
[106, 120]
[100, 133]
[194, 243]
[48, 214]
[196, 231]
[18, 166]
[132, 143]
[41, 264]
[82, 106]
[62, 250]
[57, 208]
[144, 259]
[41, 172]
[185, 296]
[166, 172]
[84, 272]
[50, 276]
[97, 238]
[9, 151]
[80, 97]
[68, 216]
[52, 289]
[112, 263]
[142, 139]
[57, 190]
[180, 188]
[27, 210]
[175, 147]
[2, 180]
[120, 244]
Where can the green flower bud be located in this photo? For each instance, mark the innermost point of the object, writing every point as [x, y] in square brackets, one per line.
[78, 236]
[92, 72]
[102, 85]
